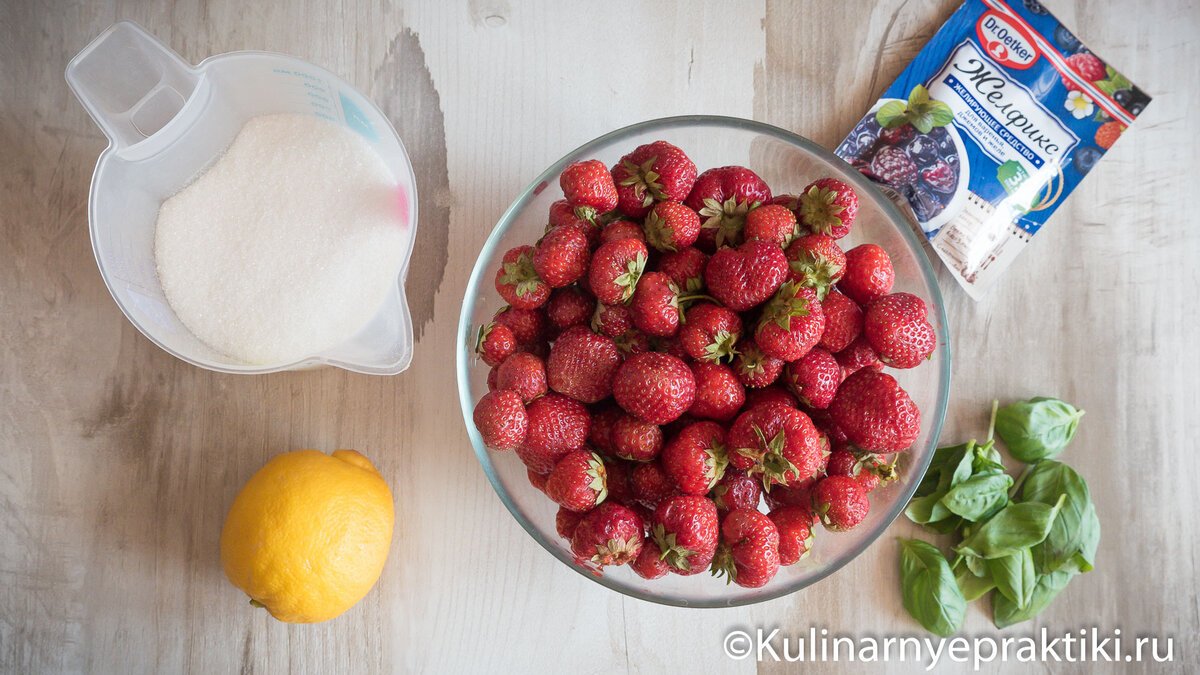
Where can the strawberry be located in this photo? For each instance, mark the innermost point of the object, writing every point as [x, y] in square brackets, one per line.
[622, 229]
[578, 481]
[561, 257]
[778, 442]
[649, 484]
[826, 426]
[719, 394]
[840, 502]
[771, 223]
[635, 440]
[1087, 66]
[868, 274]
[828, 206]
[736, 490]
[616, 268]
[501, 420]
[685, 528]
[610, 534]
[782, 496]
[772, 394]
[540, 349]
[612, 320]
[557, 426]
[565, 522]
[655, 305]
[653, 172]
[492, 382]
[710, 332]
[619, 489]
[843, 322]
[582, 365]
[685, 267]
[527, 325]
[517, 281]
[875, 413]
[860, 354]
[814, 378]
[795, 532]
[723, 197]
[1108, 133]
[654, 387]
[867, 468]
[537, 480]
[672, 346]
[749, 551]
[632, 342]
[582, 218]
[524, 374]
[589, 183]
[671, 226]
[569, 307]
[897, 329]
[649, 564]
[817, 262]
[791, 323]
[494, 343]
[695, 458]
[754, 367]
[602, 419]
[744, 277]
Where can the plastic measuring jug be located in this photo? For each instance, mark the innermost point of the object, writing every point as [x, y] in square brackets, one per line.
[167, 122]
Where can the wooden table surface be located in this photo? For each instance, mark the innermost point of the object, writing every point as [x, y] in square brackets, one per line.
[118, 462]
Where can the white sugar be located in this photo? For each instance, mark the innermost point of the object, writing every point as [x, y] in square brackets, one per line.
[287, 245]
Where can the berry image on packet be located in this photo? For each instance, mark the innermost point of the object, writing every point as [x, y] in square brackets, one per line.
[989, 128]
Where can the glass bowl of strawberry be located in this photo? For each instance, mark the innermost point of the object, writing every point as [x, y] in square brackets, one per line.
[703, 362]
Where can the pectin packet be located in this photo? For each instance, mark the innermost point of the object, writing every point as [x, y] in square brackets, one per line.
[988, 129]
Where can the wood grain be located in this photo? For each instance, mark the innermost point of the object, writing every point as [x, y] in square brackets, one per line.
[118, 463]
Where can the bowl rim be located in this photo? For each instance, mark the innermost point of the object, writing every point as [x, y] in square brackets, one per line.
[466, 333]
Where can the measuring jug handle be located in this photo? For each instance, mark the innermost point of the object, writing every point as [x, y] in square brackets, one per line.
[130, 83]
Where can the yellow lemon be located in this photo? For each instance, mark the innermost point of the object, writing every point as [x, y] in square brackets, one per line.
[307, 536]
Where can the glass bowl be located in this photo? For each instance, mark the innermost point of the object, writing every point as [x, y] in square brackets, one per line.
[787, 162]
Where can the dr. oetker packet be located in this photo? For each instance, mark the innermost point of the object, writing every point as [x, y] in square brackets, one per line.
[989, 128]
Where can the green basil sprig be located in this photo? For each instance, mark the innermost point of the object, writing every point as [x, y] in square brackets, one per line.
[1039, 428]
[930, 593]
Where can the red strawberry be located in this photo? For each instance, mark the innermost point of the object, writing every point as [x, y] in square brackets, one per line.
[565, 522]
[1108, 133]
[494, 343]
[524, 374]
[840, 502]
[723, 197]
[897, 329]
[1087, 66]
[772, 394]
[655, 305]
[685, 529]
[710, 332]
[649, 484]
[791, 323]
[537, 480]
[778, 442]
[557, 426]
[562, 256]
[672, 346]
[501, 420]
[527, 325]
[612, 320]
[649, 563]
[695, 458]
[619, 487]
[654, 387]
[814, 378]
[518, 283]
[671, 226]
[817, 262]
[843, 322]
[540, 349]
[685, 267]
[828, 206]
[746, 276]
[578, 481]
[653, 172]
[589, 183]
[860, 354]
[719, 394]
[868, 274]
[582, 218]
[635, 440]
[875, 413]
[782, 496]
[582, 365]
[492, 383]
[771, 223]
[736, 490]
[622, 229]
[795, 532]
[602, 419]
[865, 467]
[569, 307]
[754, 367]
[826, 426]
[616, 268]
[609, 534]
[632, 342]
[749, 551]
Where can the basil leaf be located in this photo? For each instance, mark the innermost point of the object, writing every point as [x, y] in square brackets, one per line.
[1005, 612]
[978, 566]
[930, 592]
[891, 114]
[941, 457]
[1075, 535]
[973, 587]
[979, 497]
[1014, 576]
[946, 525]
[921, 510]
[1038, 428]
[1015, 527]
[959, 469]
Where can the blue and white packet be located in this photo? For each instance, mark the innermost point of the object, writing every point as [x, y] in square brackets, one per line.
[989, 128]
